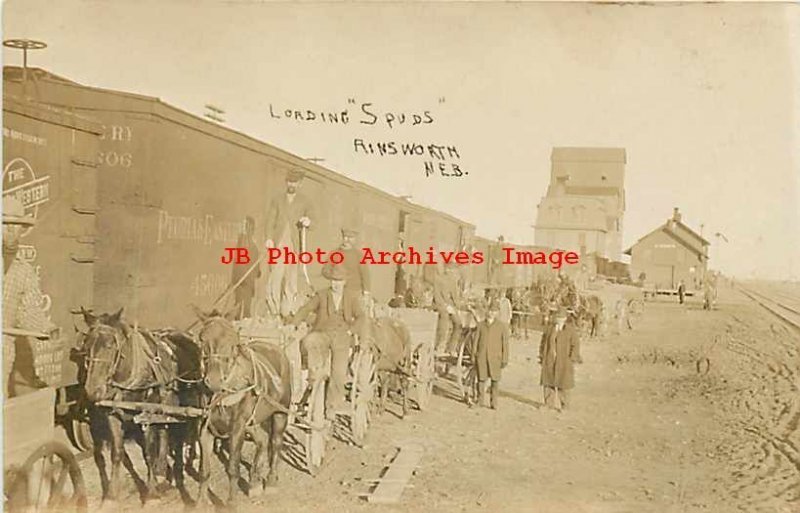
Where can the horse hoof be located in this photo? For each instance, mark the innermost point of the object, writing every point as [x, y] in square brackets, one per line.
[256, 490]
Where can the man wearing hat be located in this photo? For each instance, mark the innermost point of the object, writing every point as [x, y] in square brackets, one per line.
[446, 300]
[246, 290]
[289, 213]
[22, 298]
[358, 277]
[559, 350]
[339, 316]
[491, 353]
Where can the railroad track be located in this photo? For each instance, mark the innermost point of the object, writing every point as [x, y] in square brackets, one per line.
[789, 314]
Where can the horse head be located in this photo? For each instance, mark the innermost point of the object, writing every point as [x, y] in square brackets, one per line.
[102, 345]
[219, 343]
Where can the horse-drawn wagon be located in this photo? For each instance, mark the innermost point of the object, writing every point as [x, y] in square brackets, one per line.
[40, 472]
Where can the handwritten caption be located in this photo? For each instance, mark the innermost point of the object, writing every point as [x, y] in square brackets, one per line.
[438, 159]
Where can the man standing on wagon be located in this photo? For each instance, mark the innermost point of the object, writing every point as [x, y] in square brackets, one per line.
[22, 298]
[289, 215]
[559, 350]
[339, 316]
[358, 276]
[446, 300]
[247, 284]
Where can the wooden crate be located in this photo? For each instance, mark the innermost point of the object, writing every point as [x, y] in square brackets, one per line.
[28, 422]
[262, 330]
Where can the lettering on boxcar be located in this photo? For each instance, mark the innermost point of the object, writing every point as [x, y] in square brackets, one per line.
[117, 133]
[20, 181]
[21, 136]
[204, 230]
[205, 285]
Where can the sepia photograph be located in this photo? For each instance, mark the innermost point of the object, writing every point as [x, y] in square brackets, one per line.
[525, 257]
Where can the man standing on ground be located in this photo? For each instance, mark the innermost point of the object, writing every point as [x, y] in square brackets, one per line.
[681, 291]
[289, 214]
[559, 350]
[22, 300]
[491, 354]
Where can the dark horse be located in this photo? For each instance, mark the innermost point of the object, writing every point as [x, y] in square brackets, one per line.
[128, 364]
[250, 386]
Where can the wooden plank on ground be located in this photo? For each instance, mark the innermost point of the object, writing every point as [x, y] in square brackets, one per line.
[395, 480]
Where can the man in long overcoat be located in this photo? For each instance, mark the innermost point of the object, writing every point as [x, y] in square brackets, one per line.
[491, 353]
[289, 213]
[559, 351]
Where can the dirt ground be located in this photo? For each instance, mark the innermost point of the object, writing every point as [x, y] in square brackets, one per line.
[645, 432]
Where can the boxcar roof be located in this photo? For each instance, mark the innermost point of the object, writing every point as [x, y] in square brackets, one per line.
[154, 106]
[50, 114]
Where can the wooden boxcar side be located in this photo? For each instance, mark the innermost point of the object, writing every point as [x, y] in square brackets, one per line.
[49, 164]
[173, 191]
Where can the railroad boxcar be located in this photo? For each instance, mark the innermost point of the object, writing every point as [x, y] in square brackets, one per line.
[173, 190]
[49, 164]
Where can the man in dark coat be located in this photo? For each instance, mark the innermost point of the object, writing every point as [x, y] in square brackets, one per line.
[446, 300]
[491, 353]
[559, 350]
[681, 291]
[358, 275]
[289, 214]
[247, 288]
[339, 316]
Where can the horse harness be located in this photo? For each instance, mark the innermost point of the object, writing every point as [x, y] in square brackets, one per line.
[142, 355]
[263, 372]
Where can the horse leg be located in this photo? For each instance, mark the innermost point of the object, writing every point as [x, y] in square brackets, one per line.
[404, 392]
[383, 383]
[162, 452]
[177, 440]
[259, 435]
[151, 459]
[278, 426]
[117, 451]
[206, 453]
[236, 441]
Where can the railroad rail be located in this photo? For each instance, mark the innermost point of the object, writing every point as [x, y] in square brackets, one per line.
[787, 313]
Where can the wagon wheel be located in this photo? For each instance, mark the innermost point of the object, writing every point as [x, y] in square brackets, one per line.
[635, 307]
[318, 428]
[361, 395]
[80, 434]
[50, 479]
[424, 375]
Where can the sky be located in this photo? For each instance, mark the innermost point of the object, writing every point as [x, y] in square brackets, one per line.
[704, 98]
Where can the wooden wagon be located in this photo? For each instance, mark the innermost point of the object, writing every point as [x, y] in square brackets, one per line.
[308, 410]
[40, 472]
[421, 324]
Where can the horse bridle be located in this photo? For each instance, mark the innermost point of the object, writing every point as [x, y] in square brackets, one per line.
[118, 356]
[229, 359]
[90, 360]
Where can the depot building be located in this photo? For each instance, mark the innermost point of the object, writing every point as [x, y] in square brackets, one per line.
[670, 253]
